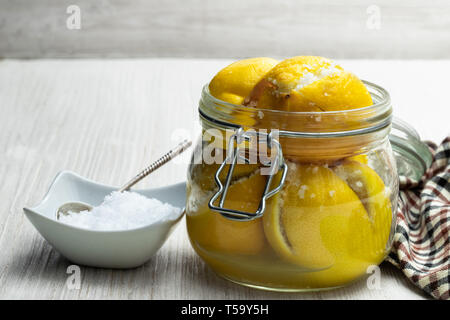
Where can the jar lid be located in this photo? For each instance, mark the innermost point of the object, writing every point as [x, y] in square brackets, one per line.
[412, 155]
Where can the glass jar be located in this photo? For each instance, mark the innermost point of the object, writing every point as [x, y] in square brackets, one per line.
[292, 201]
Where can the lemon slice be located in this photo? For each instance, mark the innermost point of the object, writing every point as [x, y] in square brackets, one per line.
[309, 223]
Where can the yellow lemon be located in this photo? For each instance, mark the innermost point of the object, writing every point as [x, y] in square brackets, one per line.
[307, 83]
[332, 220]
[371, 241]
[214, 232]
[312, 84]
[235, 82]
[309, 223]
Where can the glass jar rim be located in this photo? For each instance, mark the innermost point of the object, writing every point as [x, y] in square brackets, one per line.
[413, 156]
[372, 118]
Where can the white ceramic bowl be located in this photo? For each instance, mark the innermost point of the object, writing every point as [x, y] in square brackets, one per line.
[106, 249]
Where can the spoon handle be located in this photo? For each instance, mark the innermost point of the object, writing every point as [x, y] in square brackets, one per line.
[158, 163]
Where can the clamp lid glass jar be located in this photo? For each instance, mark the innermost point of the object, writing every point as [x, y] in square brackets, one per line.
[292, 201]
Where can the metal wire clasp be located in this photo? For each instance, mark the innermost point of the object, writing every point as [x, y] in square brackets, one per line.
[235, 154]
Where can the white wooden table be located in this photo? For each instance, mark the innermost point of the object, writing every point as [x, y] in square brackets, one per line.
[105, 119]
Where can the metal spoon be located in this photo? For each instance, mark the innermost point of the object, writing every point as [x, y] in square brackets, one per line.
[77, 207]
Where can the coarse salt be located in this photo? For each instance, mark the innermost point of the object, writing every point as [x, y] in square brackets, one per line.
[311, 77]
[122, 211]
[301, 191]
[260, 114]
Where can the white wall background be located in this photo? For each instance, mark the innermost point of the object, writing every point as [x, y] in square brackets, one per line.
[231, 28]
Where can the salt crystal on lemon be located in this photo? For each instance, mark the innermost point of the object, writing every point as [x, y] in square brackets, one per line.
[122, 211]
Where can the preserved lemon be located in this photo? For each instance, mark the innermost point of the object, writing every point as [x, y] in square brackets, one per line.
[374, 195]
[235, 82]
[312, 84]
[308, 83]
[308, 223]
[220, 234]
[334, 225]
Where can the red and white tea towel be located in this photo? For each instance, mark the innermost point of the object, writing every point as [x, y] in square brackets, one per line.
[421, 246]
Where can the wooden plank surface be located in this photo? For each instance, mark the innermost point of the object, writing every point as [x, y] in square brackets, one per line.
[195, 28]
[105, 119]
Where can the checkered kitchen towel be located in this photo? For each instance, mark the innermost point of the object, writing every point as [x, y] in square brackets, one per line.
[421, 246]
